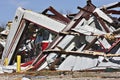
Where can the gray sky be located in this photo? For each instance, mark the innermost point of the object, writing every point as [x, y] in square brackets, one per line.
[8, 7]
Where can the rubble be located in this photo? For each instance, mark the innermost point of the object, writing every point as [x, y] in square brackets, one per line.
[87, 40]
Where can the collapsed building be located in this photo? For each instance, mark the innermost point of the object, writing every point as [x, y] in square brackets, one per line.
[87, 40]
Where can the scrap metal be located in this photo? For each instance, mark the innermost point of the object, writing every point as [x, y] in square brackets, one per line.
[87, 40]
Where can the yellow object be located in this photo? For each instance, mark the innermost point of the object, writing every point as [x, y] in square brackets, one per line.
[110, 36]
[18, 63]
[6, 61]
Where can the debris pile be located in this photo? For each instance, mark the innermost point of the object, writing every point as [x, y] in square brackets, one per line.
[87, 40]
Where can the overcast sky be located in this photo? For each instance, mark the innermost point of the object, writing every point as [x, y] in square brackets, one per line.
[8, 7]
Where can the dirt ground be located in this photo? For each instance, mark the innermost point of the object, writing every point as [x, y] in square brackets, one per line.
[58, 75]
